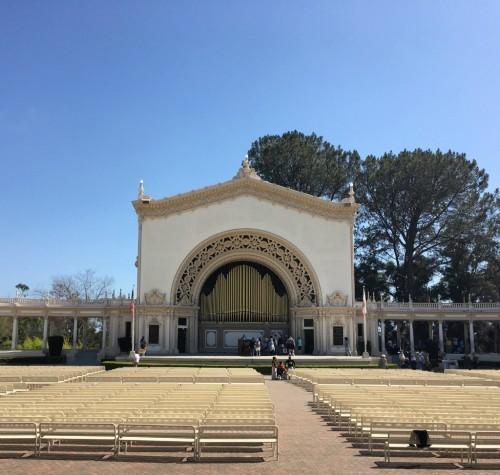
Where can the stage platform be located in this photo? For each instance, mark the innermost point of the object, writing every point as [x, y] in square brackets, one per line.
[236, 360]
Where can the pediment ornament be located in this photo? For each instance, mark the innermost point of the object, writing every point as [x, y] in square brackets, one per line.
[336, 299]
[155, 297]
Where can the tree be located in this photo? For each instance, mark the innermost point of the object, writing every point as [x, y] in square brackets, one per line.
[22, 289]
[85, 285]
[409, 202]
[304, 163]
[471, 262]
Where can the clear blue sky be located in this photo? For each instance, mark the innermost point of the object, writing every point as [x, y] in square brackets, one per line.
[95, 95]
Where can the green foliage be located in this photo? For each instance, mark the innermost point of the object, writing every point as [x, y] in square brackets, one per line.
[31, 343]
[305, 163]
[427, 224]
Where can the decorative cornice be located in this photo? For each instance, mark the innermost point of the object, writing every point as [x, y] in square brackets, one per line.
[324, 311]
[249, 186]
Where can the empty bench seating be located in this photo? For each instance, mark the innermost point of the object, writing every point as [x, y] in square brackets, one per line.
[157, 417]
[461, 419]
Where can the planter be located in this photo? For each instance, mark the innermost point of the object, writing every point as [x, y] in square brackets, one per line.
[125, 344]
[55, 345]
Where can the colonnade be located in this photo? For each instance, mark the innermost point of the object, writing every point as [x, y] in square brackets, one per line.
[471, 333]
[45, 335]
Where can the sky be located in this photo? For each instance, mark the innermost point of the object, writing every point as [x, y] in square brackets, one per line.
[96, 95]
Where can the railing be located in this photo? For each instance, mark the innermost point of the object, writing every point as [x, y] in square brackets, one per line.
[62, 302]
[432, 306]
[119, 302]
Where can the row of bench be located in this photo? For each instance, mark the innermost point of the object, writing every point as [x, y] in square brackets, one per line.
[144, 438]
[46, 374]
[174, 374]
[382, 412]
[307, 377]
[139, 409]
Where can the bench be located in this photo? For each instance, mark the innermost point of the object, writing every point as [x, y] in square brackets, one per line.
[165, 435]
[485, 442]
[82, 433]
[440, 441]
[15, 433]
[241, 435]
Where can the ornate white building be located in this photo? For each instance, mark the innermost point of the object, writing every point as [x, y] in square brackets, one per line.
[247, 258]
[244, 258]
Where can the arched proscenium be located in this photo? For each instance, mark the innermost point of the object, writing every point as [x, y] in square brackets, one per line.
[289, 262]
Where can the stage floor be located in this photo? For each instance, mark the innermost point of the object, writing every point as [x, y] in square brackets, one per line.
[303, 360]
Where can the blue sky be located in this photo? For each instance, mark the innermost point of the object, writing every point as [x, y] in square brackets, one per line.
[96, 95]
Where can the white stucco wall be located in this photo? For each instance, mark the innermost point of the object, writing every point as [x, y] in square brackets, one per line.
[166, 241]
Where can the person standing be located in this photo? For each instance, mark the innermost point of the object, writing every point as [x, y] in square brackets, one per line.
[347, 347]
[257, 347]
[142, 346]
[271, 346]
[274, 368]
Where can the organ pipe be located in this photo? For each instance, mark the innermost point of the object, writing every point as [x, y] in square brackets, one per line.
[244, 293]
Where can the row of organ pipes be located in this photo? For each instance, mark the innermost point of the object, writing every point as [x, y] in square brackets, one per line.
[243, 294]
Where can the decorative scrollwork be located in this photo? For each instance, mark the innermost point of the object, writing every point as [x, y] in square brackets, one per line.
[155, 297]
[336, 299]
[272, 248]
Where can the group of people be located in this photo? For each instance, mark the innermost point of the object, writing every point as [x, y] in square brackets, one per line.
[274, 345]
[281, 369]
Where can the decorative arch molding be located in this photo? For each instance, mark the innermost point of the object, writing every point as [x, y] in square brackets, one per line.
[273, 251]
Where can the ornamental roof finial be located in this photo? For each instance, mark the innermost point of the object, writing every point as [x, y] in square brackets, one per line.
[246, 171]
[350, 198]
[140, 195]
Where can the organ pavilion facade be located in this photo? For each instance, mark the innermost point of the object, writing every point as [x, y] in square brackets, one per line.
[247, 258]
[243, 259]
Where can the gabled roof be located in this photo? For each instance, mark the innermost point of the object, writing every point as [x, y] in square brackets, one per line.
[245, 183]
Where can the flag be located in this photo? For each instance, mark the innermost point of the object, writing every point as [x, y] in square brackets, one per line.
[132, 306]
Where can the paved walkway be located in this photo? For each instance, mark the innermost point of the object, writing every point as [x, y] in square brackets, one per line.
[307, 446]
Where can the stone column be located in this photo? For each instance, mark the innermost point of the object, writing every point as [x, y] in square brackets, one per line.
[104, 331]
[382, 336]
[195, 331]
[14, 332]
[173, 335]
[471, 337]
[412, 339]
[45, 332]
[113, 331]
[75, 331]
[353, 340]
[166, 333]
[318, 336]
[441, 338]
[398, 334]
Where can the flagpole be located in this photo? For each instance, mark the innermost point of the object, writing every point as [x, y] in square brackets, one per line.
[132, 349]
[365, 339]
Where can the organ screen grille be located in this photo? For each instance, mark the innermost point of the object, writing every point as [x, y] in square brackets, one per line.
[244, 292]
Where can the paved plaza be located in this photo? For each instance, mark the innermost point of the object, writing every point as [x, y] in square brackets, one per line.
[308, 445]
